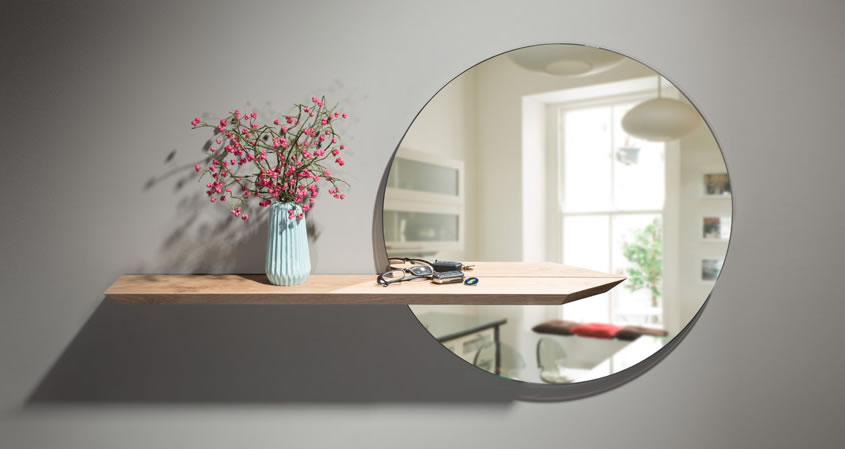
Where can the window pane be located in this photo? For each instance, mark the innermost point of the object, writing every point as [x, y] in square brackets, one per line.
[586, 160]
[642, 234]
[585, 241]
[586, 244]
[639, 168]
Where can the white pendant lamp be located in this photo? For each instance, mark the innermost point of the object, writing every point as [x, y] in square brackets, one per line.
[661, 119]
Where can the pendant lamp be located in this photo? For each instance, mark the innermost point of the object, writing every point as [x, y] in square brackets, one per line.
[661, 119]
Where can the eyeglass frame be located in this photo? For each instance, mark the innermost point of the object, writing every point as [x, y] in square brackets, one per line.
[420, 264]
[412, 260]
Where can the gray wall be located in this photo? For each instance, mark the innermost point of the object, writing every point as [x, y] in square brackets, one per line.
[96, 98]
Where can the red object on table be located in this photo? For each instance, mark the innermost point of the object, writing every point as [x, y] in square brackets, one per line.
[596, 330]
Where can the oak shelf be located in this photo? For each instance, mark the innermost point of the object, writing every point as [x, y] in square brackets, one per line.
[501, 283]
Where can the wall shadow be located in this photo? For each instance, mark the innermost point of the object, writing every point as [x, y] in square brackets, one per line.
[261, 354]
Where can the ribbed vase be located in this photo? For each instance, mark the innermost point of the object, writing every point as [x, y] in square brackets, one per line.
[288, 260]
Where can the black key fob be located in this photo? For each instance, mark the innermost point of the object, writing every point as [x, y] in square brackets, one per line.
[446, 266]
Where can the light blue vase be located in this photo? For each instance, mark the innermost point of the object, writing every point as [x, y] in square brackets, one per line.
[288, 260]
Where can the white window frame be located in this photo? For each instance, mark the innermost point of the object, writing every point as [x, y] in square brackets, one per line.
[604, 95]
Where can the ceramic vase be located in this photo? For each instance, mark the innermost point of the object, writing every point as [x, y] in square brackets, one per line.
[288, 260]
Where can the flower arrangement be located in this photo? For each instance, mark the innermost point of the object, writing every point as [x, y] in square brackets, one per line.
[278, 162]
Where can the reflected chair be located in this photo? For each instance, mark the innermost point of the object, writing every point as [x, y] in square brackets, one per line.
[550, 355]
[499, 358]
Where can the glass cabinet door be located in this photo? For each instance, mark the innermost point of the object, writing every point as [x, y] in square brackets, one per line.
[406, 226]
[409, 174]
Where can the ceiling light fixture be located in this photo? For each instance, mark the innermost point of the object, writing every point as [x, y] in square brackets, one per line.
[565, 60]
[661, 119]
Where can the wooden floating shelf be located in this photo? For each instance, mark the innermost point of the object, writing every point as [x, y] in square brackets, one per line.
[501, 283]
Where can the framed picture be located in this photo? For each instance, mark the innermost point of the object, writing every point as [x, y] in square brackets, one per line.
[716, 228]
[710, 269]
[716, 185]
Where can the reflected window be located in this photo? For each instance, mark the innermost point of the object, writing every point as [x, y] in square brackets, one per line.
[612, 195]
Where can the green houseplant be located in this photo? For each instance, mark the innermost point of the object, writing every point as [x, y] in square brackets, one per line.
[645, 253]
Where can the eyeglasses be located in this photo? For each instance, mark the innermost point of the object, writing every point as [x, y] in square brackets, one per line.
[423, 269]
[403, 260]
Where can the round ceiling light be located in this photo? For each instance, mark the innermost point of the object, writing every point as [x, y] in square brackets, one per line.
[565, 60]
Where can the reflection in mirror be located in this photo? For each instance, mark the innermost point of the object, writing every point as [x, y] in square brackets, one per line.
[566, 154]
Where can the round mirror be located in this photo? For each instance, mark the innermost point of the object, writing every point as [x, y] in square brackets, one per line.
[574, 156]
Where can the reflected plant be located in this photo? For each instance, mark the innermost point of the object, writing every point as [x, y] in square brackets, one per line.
[645, 253]
[278, 162]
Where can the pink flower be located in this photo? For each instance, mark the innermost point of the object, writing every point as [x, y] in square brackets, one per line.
[343, 115]
[342, 196]
[245, 217]
[342, 147]
[286, 175]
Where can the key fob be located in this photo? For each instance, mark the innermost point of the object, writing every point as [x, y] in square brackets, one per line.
[448, 277]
